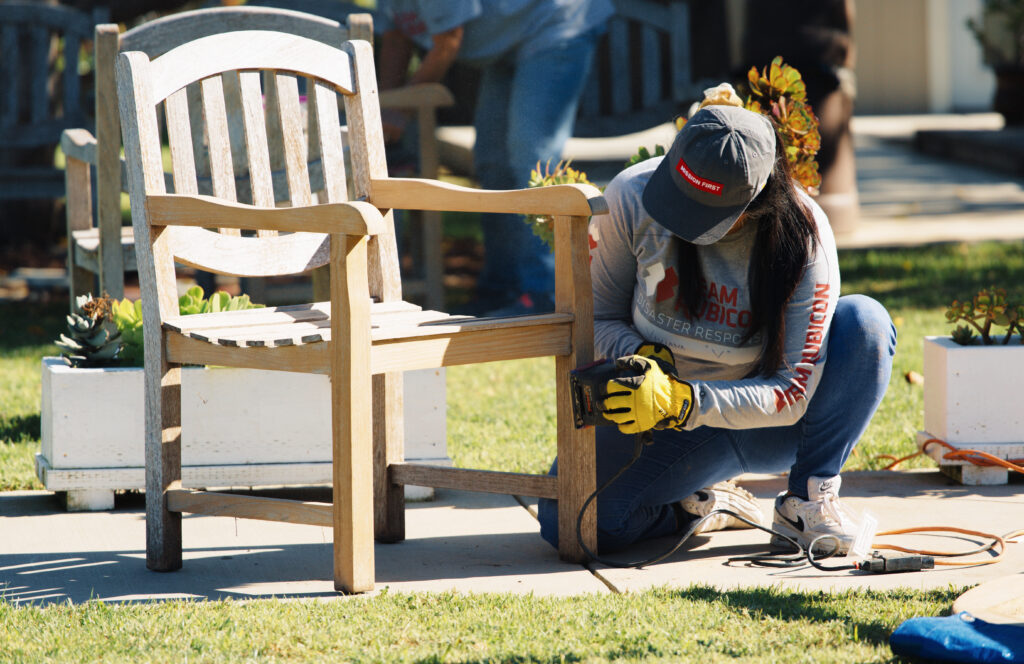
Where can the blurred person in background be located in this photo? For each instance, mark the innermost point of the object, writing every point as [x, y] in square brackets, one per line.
[533, 57]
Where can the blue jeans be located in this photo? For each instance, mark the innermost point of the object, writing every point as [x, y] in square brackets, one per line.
[524, 114]
[862, 341]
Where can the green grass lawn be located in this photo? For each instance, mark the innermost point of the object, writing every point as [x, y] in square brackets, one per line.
[661, 625]
[501, 416]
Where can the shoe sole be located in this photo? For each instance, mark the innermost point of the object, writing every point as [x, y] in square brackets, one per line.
[736, 496]
[825, 546]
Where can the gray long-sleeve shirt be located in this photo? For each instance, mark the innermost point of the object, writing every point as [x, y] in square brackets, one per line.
[636, 282]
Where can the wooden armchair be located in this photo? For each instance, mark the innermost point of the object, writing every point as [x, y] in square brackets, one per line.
[101, 246]
[365, 336]
[40, 96]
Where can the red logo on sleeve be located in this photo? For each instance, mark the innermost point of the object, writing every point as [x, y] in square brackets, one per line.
[697, 181]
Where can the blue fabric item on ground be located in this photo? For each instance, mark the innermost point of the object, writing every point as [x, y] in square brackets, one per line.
[959, 638]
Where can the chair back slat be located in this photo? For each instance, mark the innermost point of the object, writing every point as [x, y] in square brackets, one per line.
[312, 134]
[236, 128]
[39, 66]
[256, 148]
[11, 69]
[293, 139]
[70, 81]
[323, 106]
[179, 136]
[222, 170]
[330, 73]
[194, 95]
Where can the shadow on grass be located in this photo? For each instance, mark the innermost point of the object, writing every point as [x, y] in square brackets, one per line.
[815, 607]
[19, 428]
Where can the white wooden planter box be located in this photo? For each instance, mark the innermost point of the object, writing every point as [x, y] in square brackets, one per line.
[972, 399]
[241, 428]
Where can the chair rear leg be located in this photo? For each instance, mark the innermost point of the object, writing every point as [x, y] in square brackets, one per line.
[388, 448]
[163, 466]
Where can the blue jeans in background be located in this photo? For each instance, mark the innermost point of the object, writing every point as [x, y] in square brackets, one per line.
[861, 344]
[525, 111]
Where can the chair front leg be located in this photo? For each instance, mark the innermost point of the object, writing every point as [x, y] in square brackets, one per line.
[577, 473]
[351, 416]
[163, 464]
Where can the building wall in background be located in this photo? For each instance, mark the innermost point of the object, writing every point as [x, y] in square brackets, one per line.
[917, 56]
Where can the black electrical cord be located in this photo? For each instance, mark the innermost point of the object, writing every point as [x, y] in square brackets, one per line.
[798, 557]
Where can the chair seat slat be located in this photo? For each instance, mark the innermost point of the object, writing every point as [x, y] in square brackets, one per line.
[274, 315]
[311, 325]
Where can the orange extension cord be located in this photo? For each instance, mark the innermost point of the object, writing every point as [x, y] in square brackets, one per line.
[978, 458]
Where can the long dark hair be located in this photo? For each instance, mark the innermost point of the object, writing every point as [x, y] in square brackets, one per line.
[785, 236]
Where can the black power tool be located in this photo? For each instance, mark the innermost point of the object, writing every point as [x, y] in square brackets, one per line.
[589, 386]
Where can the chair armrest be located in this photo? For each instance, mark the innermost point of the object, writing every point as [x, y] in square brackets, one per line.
[419, 96]
[580, 200]
[79, 144]
[350, 218]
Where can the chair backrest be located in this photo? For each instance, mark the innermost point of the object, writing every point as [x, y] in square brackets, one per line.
[642, 72]
[37, 44]
[246, 61]
[157, 37]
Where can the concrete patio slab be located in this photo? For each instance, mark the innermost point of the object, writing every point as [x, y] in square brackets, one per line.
[897, 499]
[461, 541]
[997, 601]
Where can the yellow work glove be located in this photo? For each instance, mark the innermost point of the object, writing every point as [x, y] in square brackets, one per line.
[647, 399]
[659, 352]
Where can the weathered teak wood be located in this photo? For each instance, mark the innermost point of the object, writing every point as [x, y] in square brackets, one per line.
[257, 171]
[40, 97]
[366, 335]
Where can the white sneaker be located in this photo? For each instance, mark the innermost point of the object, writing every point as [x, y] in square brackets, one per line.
[723, 495]
[822, 514]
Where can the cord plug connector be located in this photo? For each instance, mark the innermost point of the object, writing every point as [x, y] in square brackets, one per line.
[885, 563]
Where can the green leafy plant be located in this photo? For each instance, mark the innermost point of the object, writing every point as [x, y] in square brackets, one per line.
[643, 154]
[92, 340]
[543, 225]
[128, 318]
[988, 309]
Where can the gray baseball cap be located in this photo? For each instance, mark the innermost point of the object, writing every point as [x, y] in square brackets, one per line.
[720, 160]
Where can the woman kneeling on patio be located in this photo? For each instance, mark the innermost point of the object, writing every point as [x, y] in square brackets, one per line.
[716, 280]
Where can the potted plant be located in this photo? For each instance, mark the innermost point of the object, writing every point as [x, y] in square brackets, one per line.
[1000, 32]
[972, 384]
[241, 428]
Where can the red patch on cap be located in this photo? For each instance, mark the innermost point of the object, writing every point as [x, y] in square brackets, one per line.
[697, 181]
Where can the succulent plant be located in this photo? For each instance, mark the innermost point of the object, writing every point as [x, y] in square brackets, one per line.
[779, 91]
[128, 318]
[127, 315]
[963, 335]
[987, 309]
[92, 340]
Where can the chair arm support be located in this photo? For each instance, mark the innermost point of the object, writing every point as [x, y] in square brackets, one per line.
[79, 144]
[419, 96]
[578, 200]
[350, 218]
